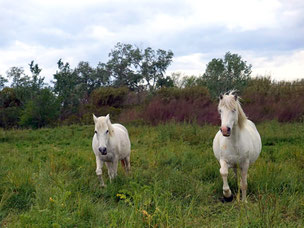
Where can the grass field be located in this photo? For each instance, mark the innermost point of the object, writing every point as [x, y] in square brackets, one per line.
[47, 179]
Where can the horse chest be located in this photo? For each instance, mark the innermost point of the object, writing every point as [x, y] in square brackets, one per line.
[109, 157]
[232, 152]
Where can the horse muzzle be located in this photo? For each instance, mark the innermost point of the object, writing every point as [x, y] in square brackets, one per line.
[103, 150]
[226, 131]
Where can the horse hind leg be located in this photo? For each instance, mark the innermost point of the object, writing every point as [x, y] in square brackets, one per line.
[244, 171]
[226, 189]
[126, 164]
[123, 164]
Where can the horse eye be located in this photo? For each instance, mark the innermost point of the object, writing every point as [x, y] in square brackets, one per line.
[107, 131]
[219, 111]
[95, 132]
[234, 110]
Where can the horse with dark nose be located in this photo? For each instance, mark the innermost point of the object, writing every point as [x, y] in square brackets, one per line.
[110, 144]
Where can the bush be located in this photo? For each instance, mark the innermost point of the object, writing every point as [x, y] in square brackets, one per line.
[109, 96]
[267, 100]
[183, 105]
[10, 108]
[41, 111]
[9, 117]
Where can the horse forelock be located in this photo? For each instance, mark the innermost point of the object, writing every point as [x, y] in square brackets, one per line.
[231, 103]
[103, 124]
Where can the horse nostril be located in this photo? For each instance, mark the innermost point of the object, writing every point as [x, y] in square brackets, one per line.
[228, 129]
[103, 150]
[221, 129]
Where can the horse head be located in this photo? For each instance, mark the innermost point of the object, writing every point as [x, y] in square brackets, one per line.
[230, 112]
[103, 131]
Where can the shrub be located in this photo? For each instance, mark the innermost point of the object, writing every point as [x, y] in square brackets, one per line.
[10, 108]
[41, 111]
[9, 117]
[183, 105]
[109, 96]
[267, 100]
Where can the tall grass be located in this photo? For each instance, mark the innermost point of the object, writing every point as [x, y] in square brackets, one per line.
[47, 179]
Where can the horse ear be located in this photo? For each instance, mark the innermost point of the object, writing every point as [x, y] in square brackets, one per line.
[95, 118]
[111, 130]
[108, 119]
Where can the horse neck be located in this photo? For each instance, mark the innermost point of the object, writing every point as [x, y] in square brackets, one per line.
[241, 117]
[111, 136]
[235, 134]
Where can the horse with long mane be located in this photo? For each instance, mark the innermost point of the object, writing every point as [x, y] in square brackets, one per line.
[110, 144]
[237, 143]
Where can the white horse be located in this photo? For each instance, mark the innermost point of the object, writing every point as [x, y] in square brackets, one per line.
[110, 144]
[236, 143]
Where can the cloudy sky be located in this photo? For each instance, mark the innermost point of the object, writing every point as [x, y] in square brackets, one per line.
[269, 34]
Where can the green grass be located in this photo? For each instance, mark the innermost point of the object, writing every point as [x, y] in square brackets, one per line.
[47, 179]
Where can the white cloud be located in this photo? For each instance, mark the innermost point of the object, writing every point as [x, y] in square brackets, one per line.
[285, 66]
[196, 31]
[194, 64]
[99, 33]
[21, 54]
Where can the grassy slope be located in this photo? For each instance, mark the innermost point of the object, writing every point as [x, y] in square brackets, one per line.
[47, 179]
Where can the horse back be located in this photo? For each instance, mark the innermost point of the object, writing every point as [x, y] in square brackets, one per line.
[121, 127]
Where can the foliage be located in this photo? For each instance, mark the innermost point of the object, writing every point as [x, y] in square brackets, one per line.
[175, 180]
[21, 83]
[41, 111]
[226, 74]
[191, 104]
[165, 82]
[132, 86]
[2, 82]
[109, 96]
[267, 100]
[65, 87]
[10, 109]
[192, 81]
[133, 67]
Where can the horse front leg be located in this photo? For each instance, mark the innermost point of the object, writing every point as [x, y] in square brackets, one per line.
[244, 171]
[112, 169]
[99, 165]
[224, 173]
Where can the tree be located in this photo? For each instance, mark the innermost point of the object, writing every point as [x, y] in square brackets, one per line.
[42, 110]
[2, 82]
[65, 87]
[10, 108]
[222, 75]
[20, 83]
[165, 82]
[102, 75]
[122, 64]
[153, 65]
[90, 78]
[132, 67]
[37, 82]
[85, 79]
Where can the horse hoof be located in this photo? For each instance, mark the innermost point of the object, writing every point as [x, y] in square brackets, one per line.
[227, 199]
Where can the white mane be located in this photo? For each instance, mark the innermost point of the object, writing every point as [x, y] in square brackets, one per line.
[231, 102]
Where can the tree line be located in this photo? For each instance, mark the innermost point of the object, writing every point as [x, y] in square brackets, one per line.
[30, 102]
